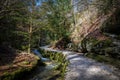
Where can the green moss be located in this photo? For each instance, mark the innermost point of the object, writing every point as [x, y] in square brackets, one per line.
[25, 63]
[12, 75]
[103, 43]
[57, 57]
[20, 72]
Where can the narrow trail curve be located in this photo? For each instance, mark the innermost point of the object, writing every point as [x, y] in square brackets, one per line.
[82, 68]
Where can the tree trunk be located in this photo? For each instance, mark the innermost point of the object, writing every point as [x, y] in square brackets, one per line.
[30, 35]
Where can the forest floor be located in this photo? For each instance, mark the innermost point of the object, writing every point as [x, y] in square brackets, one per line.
[11, 63]
[83, 68]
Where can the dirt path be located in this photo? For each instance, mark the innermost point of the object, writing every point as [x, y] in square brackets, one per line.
[82, 68]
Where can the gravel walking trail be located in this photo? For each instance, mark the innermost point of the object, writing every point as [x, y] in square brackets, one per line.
[83, 68]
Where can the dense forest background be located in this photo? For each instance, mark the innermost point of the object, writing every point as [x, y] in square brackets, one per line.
[24, 23]
[28, 24]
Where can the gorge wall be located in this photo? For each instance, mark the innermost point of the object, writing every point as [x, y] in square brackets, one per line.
[90, 19]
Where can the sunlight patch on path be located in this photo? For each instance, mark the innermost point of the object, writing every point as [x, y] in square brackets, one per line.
[82, 68]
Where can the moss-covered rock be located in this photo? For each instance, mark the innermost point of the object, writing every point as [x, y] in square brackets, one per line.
[57, 57]
[105, 59]
[20, 67]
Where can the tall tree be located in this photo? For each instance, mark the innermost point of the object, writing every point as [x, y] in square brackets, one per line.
[11, 14]
[19, 20]
[58, 16]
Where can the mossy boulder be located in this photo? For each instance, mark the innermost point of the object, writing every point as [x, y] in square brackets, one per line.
[21, 65]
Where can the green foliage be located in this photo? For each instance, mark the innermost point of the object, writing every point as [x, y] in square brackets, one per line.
[12, 14]
[101, 47]
[56, 14]
[101, 43]
[57, 57]
[104, 48]
[97, 45]
[23, 21]
[19, 72]
[16, 19]
[105, 59]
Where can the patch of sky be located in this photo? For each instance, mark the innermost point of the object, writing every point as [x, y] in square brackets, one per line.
[38, 2]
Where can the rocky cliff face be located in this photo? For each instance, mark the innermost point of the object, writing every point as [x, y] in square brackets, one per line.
[90, 24]
[89, 21]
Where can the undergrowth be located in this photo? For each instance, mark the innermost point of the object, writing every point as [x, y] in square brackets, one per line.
[105, 59]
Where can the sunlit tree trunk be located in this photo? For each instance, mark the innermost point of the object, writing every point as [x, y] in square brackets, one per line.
[30, 30]
[30, 35]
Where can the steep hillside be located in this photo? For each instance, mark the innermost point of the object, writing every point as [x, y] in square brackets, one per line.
[88, 22]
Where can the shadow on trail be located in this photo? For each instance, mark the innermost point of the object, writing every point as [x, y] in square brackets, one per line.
[7, 55]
